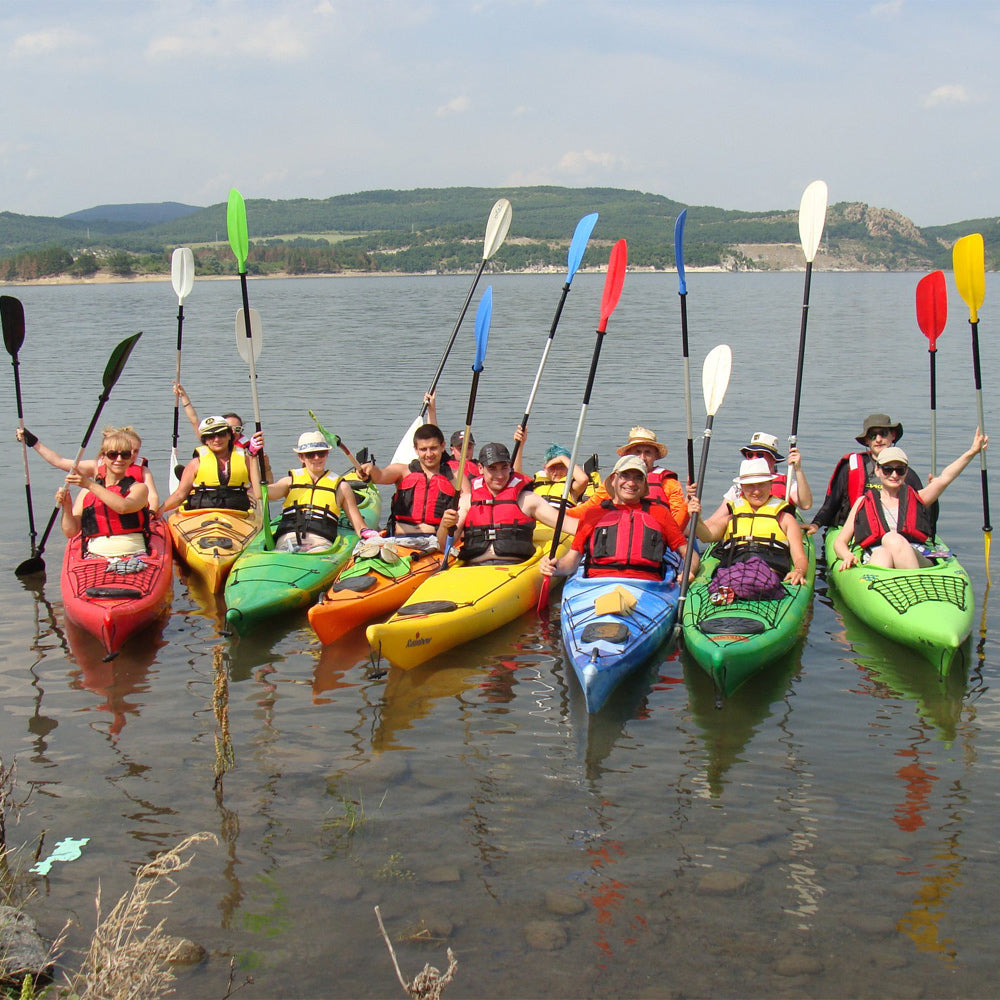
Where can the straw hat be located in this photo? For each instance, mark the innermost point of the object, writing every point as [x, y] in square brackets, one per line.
[643, 435]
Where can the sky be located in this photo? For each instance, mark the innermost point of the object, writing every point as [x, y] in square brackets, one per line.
[733, 104]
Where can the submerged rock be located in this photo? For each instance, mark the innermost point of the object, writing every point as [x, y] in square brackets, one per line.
[545, 935]
[22, 948]
[564, 904]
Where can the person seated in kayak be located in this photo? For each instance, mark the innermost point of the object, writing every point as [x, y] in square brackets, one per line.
[663, 485]
[88, 466]
[472, 467]
[425, 488]
[758, 525]
[891, 525]
[251, 445]
[220, 475]
[855, 472]
[112, 508]
[310, 517]
[627, 535]
[496, 521]
[550, 480]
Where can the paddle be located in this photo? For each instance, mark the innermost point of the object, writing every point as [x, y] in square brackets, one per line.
[12, 317]
[497, 227]
[182, 278]
[812, 218]
[483, 316]
[249, 345]
[714, 381]
[333, 440]
[682, 292]
[970, 276]
[576, 250]
[932, 315]
[112, 372]
[613, 282]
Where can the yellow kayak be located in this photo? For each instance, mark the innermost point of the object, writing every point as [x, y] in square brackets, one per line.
[456, 606]
[210, 540]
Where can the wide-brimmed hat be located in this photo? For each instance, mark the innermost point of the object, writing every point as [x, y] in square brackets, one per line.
[311, 441]
[878, 420]
[624, 464]
[887, 455]
[763, 442]
[492, 453]
[212, 425]
[754, 470]
[642, 435]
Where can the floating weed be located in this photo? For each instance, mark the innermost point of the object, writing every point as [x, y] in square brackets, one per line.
[392, 870]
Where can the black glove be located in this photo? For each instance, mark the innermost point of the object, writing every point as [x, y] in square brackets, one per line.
[29, 439]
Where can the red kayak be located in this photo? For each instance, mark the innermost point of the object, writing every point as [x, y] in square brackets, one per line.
[114, 597]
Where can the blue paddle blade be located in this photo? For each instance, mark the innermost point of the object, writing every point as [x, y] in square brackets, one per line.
[679, 251]
[483, 316]
[579, 245]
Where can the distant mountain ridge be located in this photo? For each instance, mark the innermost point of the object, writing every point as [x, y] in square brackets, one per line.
[144, 214]
[440, 230]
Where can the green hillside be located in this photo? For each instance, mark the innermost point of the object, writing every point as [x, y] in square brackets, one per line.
[441, 230]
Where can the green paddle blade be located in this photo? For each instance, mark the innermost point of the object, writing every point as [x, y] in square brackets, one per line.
[116, 362]
[236, 226]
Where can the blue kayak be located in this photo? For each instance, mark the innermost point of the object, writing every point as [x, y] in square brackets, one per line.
[612, 625]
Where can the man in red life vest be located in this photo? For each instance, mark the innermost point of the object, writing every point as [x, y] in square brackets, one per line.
[496, 521]
[855, 472]
[425, 488]
[626, 535]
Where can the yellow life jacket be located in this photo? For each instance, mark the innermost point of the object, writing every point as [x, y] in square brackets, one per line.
[311, 506]
[760, 525]
[208, 490]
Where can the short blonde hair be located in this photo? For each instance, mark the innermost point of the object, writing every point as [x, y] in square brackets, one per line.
[117, 439]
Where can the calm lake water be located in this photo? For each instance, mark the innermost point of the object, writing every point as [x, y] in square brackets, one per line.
[829, 831]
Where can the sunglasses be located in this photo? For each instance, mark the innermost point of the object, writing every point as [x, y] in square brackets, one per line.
[894, 470]
[314, 454]
[214, 434]
[757, 454]
[879, 432]
[115, 455]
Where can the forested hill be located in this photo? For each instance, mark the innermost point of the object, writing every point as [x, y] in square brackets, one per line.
[441, 229]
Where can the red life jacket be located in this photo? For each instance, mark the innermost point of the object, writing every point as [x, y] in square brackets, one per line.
[419, 500]
[472, 467]
[497, 520]
[857, 478]
[654, 480]
[870, 523]
[626, 541]
[97, 518]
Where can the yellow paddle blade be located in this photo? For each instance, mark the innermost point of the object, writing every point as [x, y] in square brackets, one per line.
[616, 602]
[969, 259]
[988, 538]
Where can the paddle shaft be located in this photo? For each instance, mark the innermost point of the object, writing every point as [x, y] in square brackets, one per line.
[541, 368]
[977, 373]
[933, 356]
[253, 371]
[692, 527]
[24, 449]
[177, 379]
[687, 383]
[799, 365]
[454, 335]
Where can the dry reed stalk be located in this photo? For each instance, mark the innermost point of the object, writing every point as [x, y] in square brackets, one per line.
[225, 757]
[429, 983]
[128, 956]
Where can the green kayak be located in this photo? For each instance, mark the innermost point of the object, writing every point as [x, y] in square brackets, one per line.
[929, 610]
[732, 642]
[263, 582]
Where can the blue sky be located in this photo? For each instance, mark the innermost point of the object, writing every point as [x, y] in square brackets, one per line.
[736, 104]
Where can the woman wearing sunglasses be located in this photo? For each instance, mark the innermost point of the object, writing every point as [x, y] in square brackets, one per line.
[890, 524]
[112, 509]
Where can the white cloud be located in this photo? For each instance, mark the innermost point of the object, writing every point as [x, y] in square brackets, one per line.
[950, 93]
[576, 162]
[456, 106]
[888, 8]
[275, 40]
[45, 42]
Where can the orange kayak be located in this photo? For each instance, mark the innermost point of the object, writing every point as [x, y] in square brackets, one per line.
[371, 587]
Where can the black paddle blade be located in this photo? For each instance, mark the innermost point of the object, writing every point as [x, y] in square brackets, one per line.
[119, 356]
[12, 318]
[30, 567]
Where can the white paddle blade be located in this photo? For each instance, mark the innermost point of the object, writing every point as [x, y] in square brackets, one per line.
[715, 377]
[182, 273]
[405, 452]
[172, 478]
[256, 335]
[812, 218]
[497, 227]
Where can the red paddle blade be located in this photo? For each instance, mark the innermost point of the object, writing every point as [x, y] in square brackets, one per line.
[613, 282]
[932, 306]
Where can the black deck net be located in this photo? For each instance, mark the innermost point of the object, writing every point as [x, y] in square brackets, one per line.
[905, 592]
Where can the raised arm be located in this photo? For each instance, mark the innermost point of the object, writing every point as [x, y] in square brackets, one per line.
[950, 473]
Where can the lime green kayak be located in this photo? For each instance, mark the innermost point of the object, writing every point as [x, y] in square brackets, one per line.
[732, 642]
[263, 582]
[928, 609]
